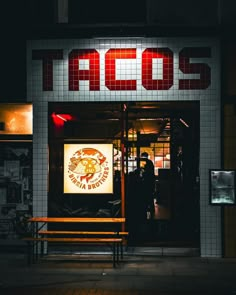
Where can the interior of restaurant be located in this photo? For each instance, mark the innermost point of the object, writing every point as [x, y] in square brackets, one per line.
[168, 135]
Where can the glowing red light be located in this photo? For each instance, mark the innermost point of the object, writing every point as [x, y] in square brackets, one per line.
[59, 119]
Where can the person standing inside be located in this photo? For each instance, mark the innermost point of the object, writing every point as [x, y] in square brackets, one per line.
[148, 186]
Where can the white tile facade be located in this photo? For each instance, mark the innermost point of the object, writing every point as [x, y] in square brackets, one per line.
[210, 133]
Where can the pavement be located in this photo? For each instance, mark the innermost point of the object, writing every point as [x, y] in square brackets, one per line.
[139, 273]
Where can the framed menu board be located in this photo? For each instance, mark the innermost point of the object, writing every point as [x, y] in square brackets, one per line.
[222, 187]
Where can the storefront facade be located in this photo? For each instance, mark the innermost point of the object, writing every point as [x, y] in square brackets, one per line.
[171, 70]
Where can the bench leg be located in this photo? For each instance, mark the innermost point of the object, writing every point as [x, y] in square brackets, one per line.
[117, 252]
[36, 251]
[121, 250]
[116, 255]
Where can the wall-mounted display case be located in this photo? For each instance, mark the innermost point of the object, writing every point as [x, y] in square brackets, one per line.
[222, 187]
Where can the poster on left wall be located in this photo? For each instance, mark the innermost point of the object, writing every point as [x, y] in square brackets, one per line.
[15, 189]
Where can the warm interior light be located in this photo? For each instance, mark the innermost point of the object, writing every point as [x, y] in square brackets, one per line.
[183, 122]
[148, 119]
[168, 156]
[16, 119]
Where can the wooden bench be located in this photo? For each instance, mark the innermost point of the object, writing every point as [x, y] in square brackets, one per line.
[33, 242]
[40, 236]
[96, 234]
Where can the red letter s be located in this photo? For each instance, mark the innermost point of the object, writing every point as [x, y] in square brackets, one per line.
[194, 68]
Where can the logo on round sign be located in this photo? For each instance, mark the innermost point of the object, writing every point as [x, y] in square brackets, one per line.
[88, 168]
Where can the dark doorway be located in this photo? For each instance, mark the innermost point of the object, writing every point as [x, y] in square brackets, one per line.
[168, 132]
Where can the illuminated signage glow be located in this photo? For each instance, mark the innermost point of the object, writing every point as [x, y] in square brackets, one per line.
[88, 168]
[89, 64]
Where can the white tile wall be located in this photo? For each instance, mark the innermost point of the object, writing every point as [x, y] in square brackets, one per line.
[210, 133]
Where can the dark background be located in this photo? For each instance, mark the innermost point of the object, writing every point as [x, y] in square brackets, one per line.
[26, 19]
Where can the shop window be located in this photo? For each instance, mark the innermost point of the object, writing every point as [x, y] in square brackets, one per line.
[15, 169]
[157, 146]
[16, 119]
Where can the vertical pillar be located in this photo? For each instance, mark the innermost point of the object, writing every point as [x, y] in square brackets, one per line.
[62, 11]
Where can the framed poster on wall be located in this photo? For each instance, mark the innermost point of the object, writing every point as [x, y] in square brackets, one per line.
[222, 187]
[88, 168]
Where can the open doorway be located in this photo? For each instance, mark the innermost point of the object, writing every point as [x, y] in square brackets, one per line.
[168, 134]
[165, 133]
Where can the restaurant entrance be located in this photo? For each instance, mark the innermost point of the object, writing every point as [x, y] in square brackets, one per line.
[161, 208]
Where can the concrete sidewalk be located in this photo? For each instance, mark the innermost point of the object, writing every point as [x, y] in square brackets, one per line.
[137, 274]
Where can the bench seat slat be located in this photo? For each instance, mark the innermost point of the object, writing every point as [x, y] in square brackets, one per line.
[61, 232]
[92, 240]
[77, 219]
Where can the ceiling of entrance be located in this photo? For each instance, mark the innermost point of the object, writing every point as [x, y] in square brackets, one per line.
[104, 120]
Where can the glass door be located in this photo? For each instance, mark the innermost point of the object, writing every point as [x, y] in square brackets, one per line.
[166, 212]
